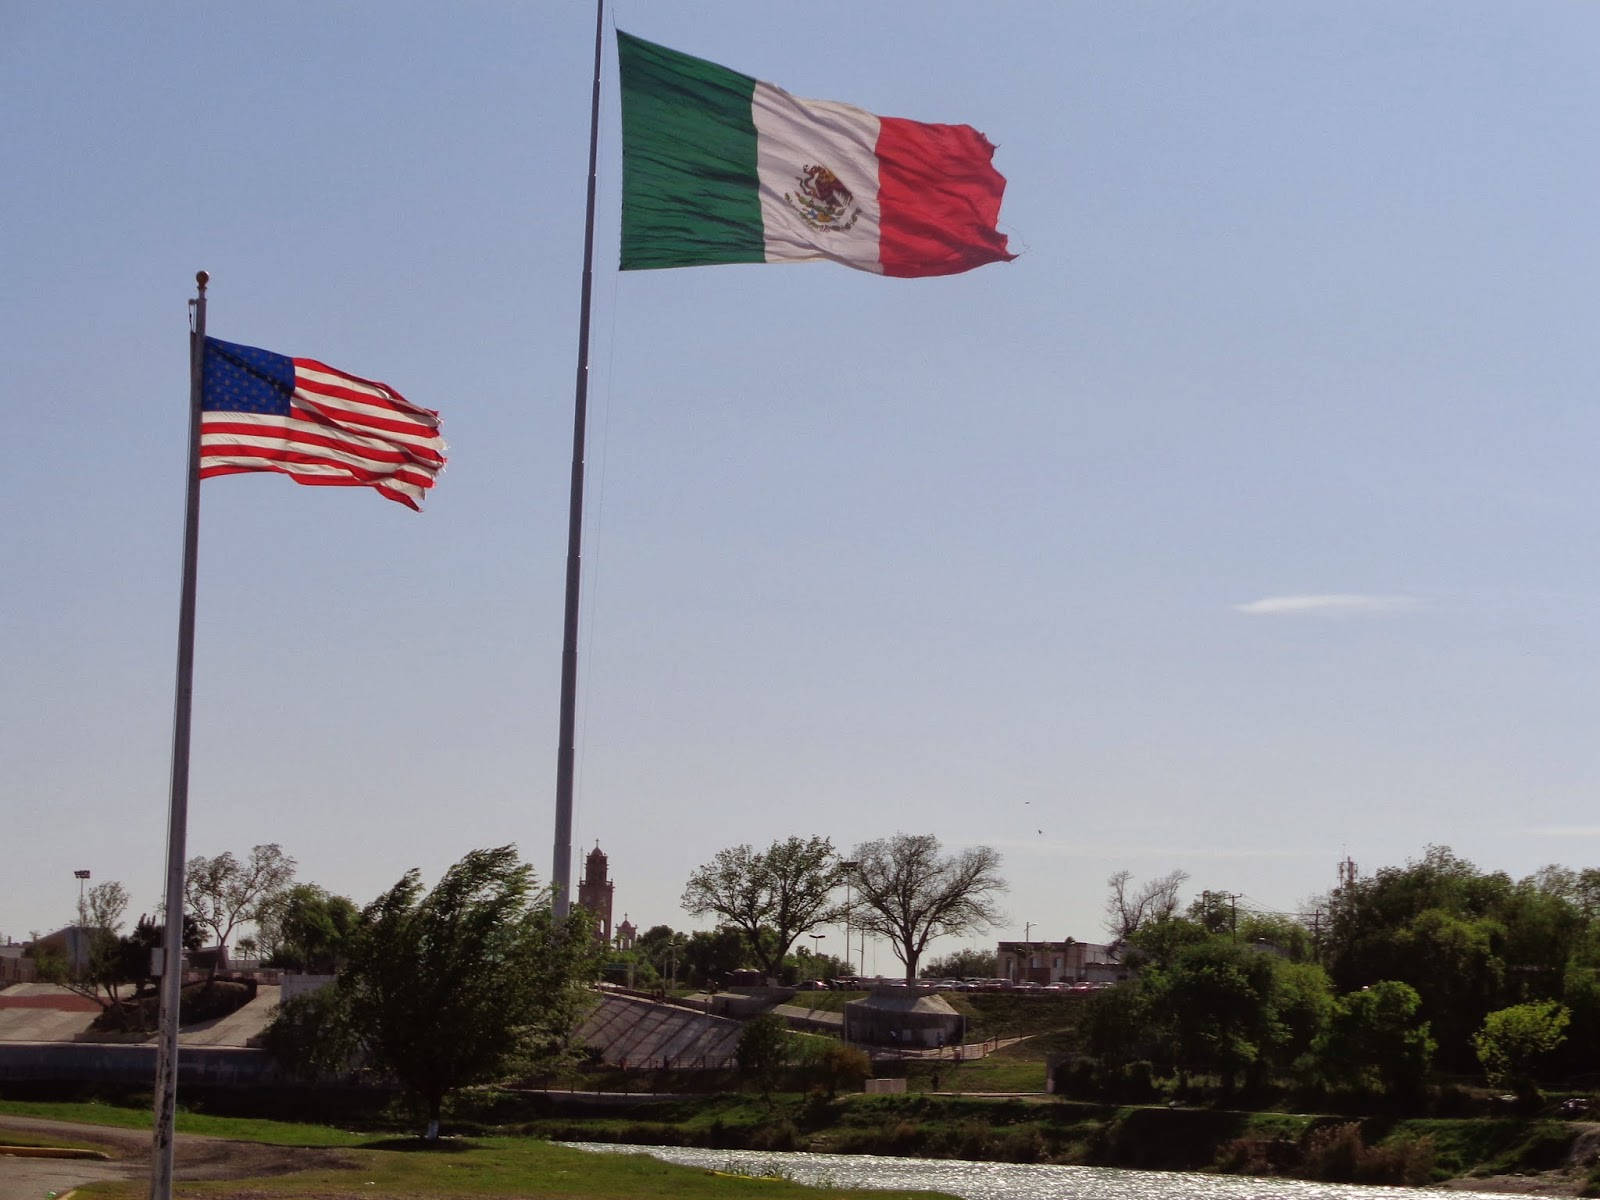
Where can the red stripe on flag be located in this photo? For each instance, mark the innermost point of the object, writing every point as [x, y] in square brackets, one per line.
[341, 430]
[357, 441]
[939, 199]
[327, 438]
[304, 452]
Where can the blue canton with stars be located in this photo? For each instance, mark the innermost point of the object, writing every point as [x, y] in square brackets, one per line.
[245, 379]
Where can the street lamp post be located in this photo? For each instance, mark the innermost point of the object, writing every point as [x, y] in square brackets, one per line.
[82, 877]
[816, 948]
[849, 869]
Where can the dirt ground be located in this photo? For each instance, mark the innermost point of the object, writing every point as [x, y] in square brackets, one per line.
[128, 1155]
[1564, 1181]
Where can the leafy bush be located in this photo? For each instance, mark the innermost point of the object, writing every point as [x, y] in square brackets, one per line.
[836, 1067]
[776, 1135]
[1338, 1153]
[764, 1050]
[311, 1036]
[205, 1001]
[1515, 1042]
[1259, 1154]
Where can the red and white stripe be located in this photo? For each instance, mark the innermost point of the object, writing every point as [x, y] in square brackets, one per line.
[341, 431]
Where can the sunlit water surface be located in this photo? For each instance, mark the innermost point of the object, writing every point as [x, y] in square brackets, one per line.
[1006, 1181]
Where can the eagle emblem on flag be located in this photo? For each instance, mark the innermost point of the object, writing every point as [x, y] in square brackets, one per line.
[822, 201]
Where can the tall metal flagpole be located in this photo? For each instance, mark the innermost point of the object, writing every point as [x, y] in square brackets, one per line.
[166, 1097]
[561, 874]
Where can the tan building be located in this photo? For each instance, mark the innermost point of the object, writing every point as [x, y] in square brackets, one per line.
[1070, 961]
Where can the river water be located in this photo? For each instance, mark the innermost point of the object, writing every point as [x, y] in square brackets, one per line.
[1006, 1181]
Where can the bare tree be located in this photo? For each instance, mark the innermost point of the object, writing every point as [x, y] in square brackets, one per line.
[910, 894]
[96, 961]
[221, 892]
[1127, 910]
[771, 896]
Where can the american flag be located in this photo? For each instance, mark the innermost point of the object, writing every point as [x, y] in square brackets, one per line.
[262, 411]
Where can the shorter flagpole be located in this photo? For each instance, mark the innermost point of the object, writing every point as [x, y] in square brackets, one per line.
[561, 866]
[166, 1090]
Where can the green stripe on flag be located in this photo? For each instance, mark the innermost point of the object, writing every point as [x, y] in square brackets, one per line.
[689, 184]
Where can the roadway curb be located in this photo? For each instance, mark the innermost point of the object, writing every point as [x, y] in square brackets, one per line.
[52, 1152]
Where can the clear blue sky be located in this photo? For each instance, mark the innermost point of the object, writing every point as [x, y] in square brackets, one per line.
[1246, 521]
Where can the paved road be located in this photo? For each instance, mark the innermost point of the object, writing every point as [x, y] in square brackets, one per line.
[36, 1178]
[198, 1157]
[71, 1015]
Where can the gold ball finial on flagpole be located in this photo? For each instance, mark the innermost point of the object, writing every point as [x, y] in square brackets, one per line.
[202, 278]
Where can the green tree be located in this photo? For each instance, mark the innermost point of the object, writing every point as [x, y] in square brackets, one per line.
[771, 896]
[1515, 1043]
[100, 966]
[909, 893]
[1468, 941]
[1160, 942]
[1454, 963]
[837, 1067]
[1208, 1004]
[763, 1052]
[312, 1035]
[1216, 912]
[468, 982]
[308, 929]
[222, 892]
[804, 965]
[663, 948]
[1282, 933]
[1218, 999]
[1122, 1024]
[1302, 1007]
[1580, 993]
[964, 964]
[709, 955]
[1377, 1040]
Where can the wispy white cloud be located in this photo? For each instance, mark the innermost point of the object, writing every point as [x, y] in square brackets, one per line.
[1057, 847]
[1329, 604]
[1565, 831]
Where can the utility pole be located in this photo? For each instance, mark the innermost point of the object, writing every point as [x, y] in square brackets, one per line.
[848, 867]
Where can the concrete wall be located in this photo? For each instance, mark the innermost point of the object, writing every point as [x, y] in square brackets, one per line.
[17, 970]
[94, 1062]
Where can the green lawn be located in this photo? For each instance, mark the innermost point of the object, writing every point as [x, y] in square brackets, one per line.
[518, 1167]
[407, 1169]
[1014, 1014]
[247, 1129]
[825, 1001]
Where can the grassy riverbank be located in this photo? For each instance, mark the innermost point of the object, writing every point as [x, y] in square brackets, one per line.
[1334, 1148]
[528, 1168]
[499, 1127]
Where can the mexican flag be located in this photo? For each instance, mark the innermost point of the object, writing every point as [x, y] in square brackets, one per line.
[718, 167]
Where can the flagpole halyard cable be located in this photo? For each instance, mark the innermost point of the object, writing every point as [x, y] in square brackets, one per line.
[166, 1082]
[561, 872]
